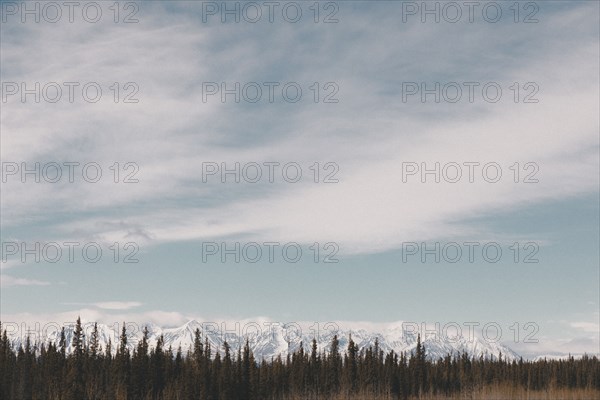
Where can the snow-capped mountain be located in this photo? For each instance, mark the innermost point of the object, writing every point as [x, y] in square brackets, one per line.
[268, 341]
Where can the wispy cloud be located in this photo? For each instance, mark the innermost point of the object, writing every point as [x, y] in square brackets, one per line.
[9, 264]
[111, 305]
[7, 280]
[371, 209]
[117, 305]
[588, 327]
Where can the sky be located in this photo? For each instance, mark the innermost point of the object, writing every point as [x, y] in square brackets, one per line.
[238, 161]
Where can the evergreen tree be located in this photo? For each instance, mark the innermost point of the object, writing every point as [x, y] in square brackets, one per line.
[75, 376]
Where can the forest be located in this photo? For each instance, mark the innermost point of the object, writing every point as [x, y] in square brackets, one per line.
[87, 371]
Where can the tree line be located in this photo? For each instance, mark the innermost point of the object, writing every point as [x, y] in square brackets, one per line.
[88, 372]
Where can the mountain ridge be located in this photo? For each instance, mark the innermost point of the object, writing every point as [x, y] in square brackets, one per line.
[276, 340]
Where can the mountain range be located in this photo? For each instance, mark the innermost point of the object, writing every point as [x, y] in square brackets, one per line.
[270, 341]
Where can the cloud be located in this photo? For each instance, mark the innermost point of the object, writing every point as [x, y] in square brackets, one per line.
[9, 264]
[171, 132]
[106, 316]
[117, 305]
[576, 338]
[558, 347]
[7, 280]
[110, 305]
[588, 327]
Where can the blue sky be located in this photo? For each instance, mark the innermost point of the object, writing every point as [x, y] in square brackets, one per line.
[370, 215]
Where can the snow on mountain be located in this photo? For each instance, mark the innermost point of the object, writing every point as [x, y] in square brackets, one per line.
[269, 341]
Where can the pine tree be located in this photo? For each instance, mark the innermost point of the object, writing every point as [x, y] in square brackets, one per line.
[121, 365]
[248, 373]
[140, 364]
[7, 365]
[334, 362]
[225, 387]
[158, 361]
[95, 347]
[352, 365]
[75, 376]
[62, 343]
